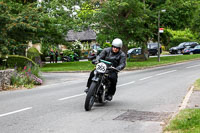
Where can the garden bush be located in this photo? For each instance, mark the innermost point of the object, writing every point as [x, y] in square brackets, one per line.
[34, 55]
[14, 61]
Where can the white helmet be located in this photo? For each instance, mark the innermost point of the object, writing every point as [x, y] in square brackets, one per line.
[117, 43]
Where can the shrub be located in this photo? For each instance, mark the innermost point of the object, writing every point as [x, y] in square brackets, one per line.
[177, 41]
[34, 55]
[67, 52]
[14, 61]
[177, 37]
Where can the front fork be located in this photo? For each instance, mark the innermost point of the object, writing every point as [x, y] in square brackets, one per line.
[98, 78]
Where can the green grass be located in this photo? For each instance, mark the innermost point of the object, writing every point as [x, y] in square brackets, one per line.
[87, 66]
[68, 66]
[187, 121]
[197, 85]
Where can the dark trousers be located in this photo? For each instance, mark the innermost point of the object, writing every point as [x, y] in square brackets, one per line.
[56, 59]
[113, 76]
[51, 58]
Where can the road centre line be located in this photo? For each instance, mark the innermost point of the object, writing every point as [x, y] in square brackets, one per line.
[193, 66]
[66, 98]
[14, 112]
[146, 78]
[159, 74]
[74, 96]
[166, 72]
[126, 84]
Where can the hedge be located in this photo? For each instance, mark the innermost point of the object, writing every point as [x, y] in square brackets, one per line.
[19, 61]
[34, 55]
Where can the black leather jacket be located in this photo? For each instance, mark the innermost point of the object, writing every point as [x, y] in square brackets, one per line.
[118, 59]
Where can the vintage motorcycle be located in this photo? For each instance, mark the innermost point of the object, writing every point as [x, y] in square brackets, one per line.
[98, 89]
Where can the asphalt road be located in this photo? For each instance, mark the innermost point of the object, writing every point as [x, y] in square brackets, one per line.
[144, 100]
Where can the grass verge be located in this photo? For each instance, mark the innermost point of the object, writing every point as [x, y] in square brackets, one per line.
[197, 85]
[87, 66]
[187, 121]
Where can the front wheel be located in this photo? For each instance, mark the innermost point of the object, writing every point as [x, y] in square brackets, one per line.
[90, 98]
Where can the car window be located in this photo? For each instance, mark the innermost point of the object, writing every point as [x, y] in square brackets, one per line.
[181, 44]
[152, 45]
[197, 47]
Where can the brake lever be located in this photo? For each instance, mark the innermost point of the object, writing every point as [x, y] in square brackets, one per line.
[114, 68]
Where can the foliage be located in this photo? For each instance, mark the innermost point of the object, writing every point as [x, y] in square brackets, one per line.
[27, 77]
[20, 23]
[179, 14]
[179, 36]
[106, 44]
[27, 20]
[34, 55]
[123, 19]
[196, 22]
[187, 121]
[68, 52]
[19, 61]
[197, 85]
[75, 47]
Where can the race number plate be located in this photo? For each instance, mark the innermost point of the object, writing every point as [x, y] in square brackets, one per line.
[101, 67]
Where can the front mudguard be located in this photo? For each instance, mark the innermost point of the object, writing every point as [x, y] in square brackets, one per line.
[95, 78]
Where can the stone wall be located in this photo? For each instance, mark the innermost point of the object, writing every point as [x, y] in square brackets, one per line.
[5, 76]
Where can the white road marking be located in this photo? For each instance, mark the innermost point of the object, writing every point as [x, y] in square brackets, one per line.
[193, 66]
[126, 84]
[146, 78]
[66, 98]
[74, 96]
[17, 111]
[186, 99]
[165, 72]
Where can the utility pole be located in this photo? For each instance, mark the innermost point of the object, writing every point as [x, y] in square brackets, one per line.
[159, 36]
[159, 33]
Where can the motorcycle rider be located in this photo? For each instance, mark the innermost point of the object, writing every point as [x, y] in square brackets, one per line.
[117, 57]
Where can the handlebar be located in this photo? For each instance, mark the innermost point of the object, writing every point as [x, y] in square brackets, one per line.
[113, 68]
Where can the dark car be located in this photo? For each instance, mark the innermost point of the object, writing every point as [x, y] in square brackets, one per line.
[153, 48]
[195, 50]
[134, 51]
[179, 49]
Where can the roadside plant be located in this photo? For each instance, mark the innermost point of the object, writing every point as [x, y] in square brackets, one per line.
[28, 77]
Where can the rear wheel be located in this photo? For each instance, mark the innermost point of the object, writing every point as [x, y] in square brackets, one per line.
[90, 98]
[191, 53]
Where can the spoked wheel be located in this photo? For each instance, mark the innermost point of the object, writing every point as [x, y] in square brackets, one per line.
[90, 98]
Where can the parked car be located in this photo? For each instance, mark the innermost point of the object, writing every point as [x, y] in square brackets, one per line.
[153, 48]
[134, 51]
[195, 50]
[179, 49]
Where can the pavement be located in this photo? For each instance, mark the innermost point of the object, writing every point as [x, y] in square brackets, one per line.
[194, 100]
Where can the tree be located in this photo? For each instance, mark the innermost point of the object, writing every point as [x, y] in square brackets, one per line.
[19, 25]
[179, 14]
[23, 21]
[124, 19]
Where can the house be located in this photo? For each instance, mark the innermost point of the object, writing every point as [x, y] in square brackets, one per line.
[87, 37]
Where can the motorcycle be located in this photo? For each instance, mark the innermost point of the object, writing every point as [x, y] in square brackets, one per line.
[98, 89]
[70, 58]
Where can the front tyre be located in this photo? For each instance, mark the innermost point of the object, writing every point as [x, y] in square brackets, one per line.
[90, 98]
